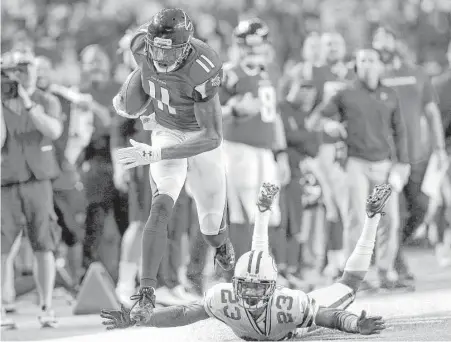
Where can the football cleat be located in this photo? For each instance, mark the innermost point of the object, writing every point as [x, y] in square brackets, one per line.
[144, 305]
[266, 196]
[225, 256]
[378, 199]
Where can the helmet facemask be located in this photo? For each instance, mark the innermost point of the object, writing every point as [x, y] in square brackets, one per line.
[166, 56]
[253, 294]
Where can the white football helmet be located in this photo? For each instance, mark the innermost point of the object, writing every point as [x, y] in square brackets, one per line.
[254, 281]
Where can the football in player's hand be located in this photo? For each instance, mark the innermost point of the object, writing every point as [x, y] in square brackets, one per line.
[134, 97]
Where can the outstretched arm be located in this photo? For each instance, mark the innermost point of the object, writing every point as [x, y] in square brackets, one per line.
[179, 315]
[209, 117]
[348, 322]
[172, 316]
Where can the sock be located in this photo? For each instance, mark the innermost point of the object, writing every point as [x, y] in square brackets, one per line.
[360, 260]
[44, 273]
[260, 240]
[154, 241]
[127, 274]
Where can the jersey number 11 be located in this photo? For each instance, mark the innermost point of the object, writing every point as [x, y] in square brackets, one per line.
[163, 100]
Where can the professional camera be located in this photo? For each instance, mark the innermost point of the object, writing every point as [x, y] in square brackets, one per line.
[10, 86]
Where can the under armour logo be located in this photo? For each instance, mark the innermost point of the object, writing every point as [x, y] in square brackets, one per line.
[147, 153]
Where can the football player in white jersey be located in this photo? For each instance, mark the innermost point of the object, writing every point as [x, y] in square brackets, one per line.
[256, 309]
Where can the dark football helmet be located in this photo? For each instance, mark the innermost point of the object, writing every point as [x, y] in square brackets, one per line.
[251, 37]
[168, 38]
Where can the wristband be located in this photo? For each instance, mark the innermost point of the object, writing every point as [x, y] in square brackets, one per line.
[156, 154]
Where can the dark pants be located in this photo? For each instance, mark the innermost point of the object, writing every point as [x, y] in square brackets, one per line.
[417, 205]
[101, 196]
[172, 259]
[29, 206]
[416, 201]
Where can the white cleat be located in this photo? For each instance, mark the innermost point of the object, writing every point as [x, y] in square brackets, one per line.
[266, 196]
[7, 323]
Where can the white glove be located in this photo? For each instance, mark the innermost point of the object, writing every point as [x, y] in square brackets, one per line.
[138, 154]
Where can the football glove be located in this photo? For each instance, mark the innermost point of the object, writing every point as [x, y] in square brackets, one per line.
[117, 319]
[138, 154]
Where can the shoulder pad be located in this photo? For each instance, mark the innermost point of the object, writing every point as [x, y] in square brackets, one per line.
[212, 299]
[206, 64]
[137, 43]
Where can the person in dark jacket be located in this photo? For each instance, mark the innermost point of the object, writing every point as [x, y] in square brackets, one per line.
[31, 120]
[369, 121]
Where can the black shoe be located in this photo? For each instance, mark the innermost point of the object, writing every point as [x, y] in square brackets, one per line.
[225, 256]
[266, 196]
[377, 200]
[144, 305]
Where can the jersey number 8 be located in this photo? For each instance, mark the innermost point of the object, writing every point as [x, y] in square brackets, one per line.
[267, 96]
[163, 102]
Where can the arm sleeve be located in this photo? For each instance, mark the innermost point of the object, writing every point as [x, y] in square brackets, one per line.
[399, 135]
[177, 316]
[337, 319]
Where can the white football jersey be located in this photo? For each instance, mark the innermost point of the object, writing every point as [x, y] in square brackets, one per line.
[287, 311]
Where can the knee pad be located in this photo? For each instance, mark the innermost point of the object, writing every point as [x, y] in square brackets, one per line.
[212, 223]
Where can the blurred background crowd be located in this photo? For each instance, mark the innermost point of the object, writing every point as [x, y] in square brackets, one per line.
[76, 39]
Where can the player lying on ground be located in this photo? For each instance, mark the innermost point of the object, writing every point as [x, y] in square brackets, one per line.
[179, 76]
[255, 309]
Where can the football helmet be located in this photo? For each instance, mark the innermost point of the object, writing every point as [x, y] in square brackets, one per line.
[168, 38]
[251, 38]
[254, 280]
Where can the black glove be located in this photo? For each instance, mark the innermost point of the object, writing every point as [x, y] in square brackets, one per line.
[117, 319]
[370, 325]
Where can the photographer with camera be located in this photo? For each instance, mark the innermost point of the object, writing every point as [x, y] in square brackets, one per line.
[31, 120]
